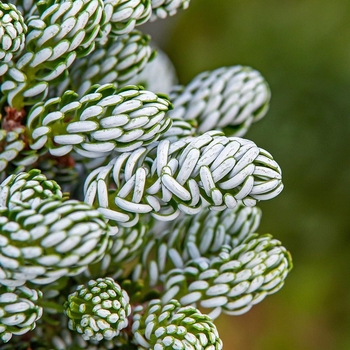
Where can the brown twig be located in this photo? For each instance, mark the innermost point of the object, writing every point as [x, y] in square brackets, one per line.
[13, 118]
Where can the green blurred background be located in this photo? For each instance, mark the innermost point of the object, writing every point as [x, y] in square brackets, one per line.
[302, 48]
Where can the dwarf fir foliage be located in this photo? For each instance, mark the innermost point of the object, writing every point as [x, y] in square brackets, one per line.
[61, 238]
[13, 151]
[229, 99]
[12, 29]
[122, 210]
[102, 121]
[19, 311]
[98, 311]
[118, 60]
[169, 326]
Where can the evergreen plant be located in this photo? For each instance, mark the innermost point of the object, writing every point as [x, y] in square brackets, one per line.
[127, 218]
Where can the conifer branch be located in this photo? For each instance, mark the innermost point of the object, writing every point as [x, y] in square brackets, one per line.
[123, 210]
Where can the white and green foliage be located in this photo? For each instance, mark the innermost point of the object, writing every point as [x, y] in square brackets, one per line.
[166, 178]
[49, 239]
[122, 16]
[102, 121]
[117, 61]
[228, 99]
[161, 215]
[44, 236]
[125, 247]
[165, 8]
[165, 326]
[18, 310]
[233, 281]
[13, 151]
[99, 310]
[192, 237]
[214, 260]
[27, 188]
[12, 33]
[54, 39]
[25, 7]
[65, 173]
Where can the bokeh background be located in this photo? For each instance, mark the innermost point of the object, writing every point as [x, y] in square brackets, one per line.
[302, 48]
